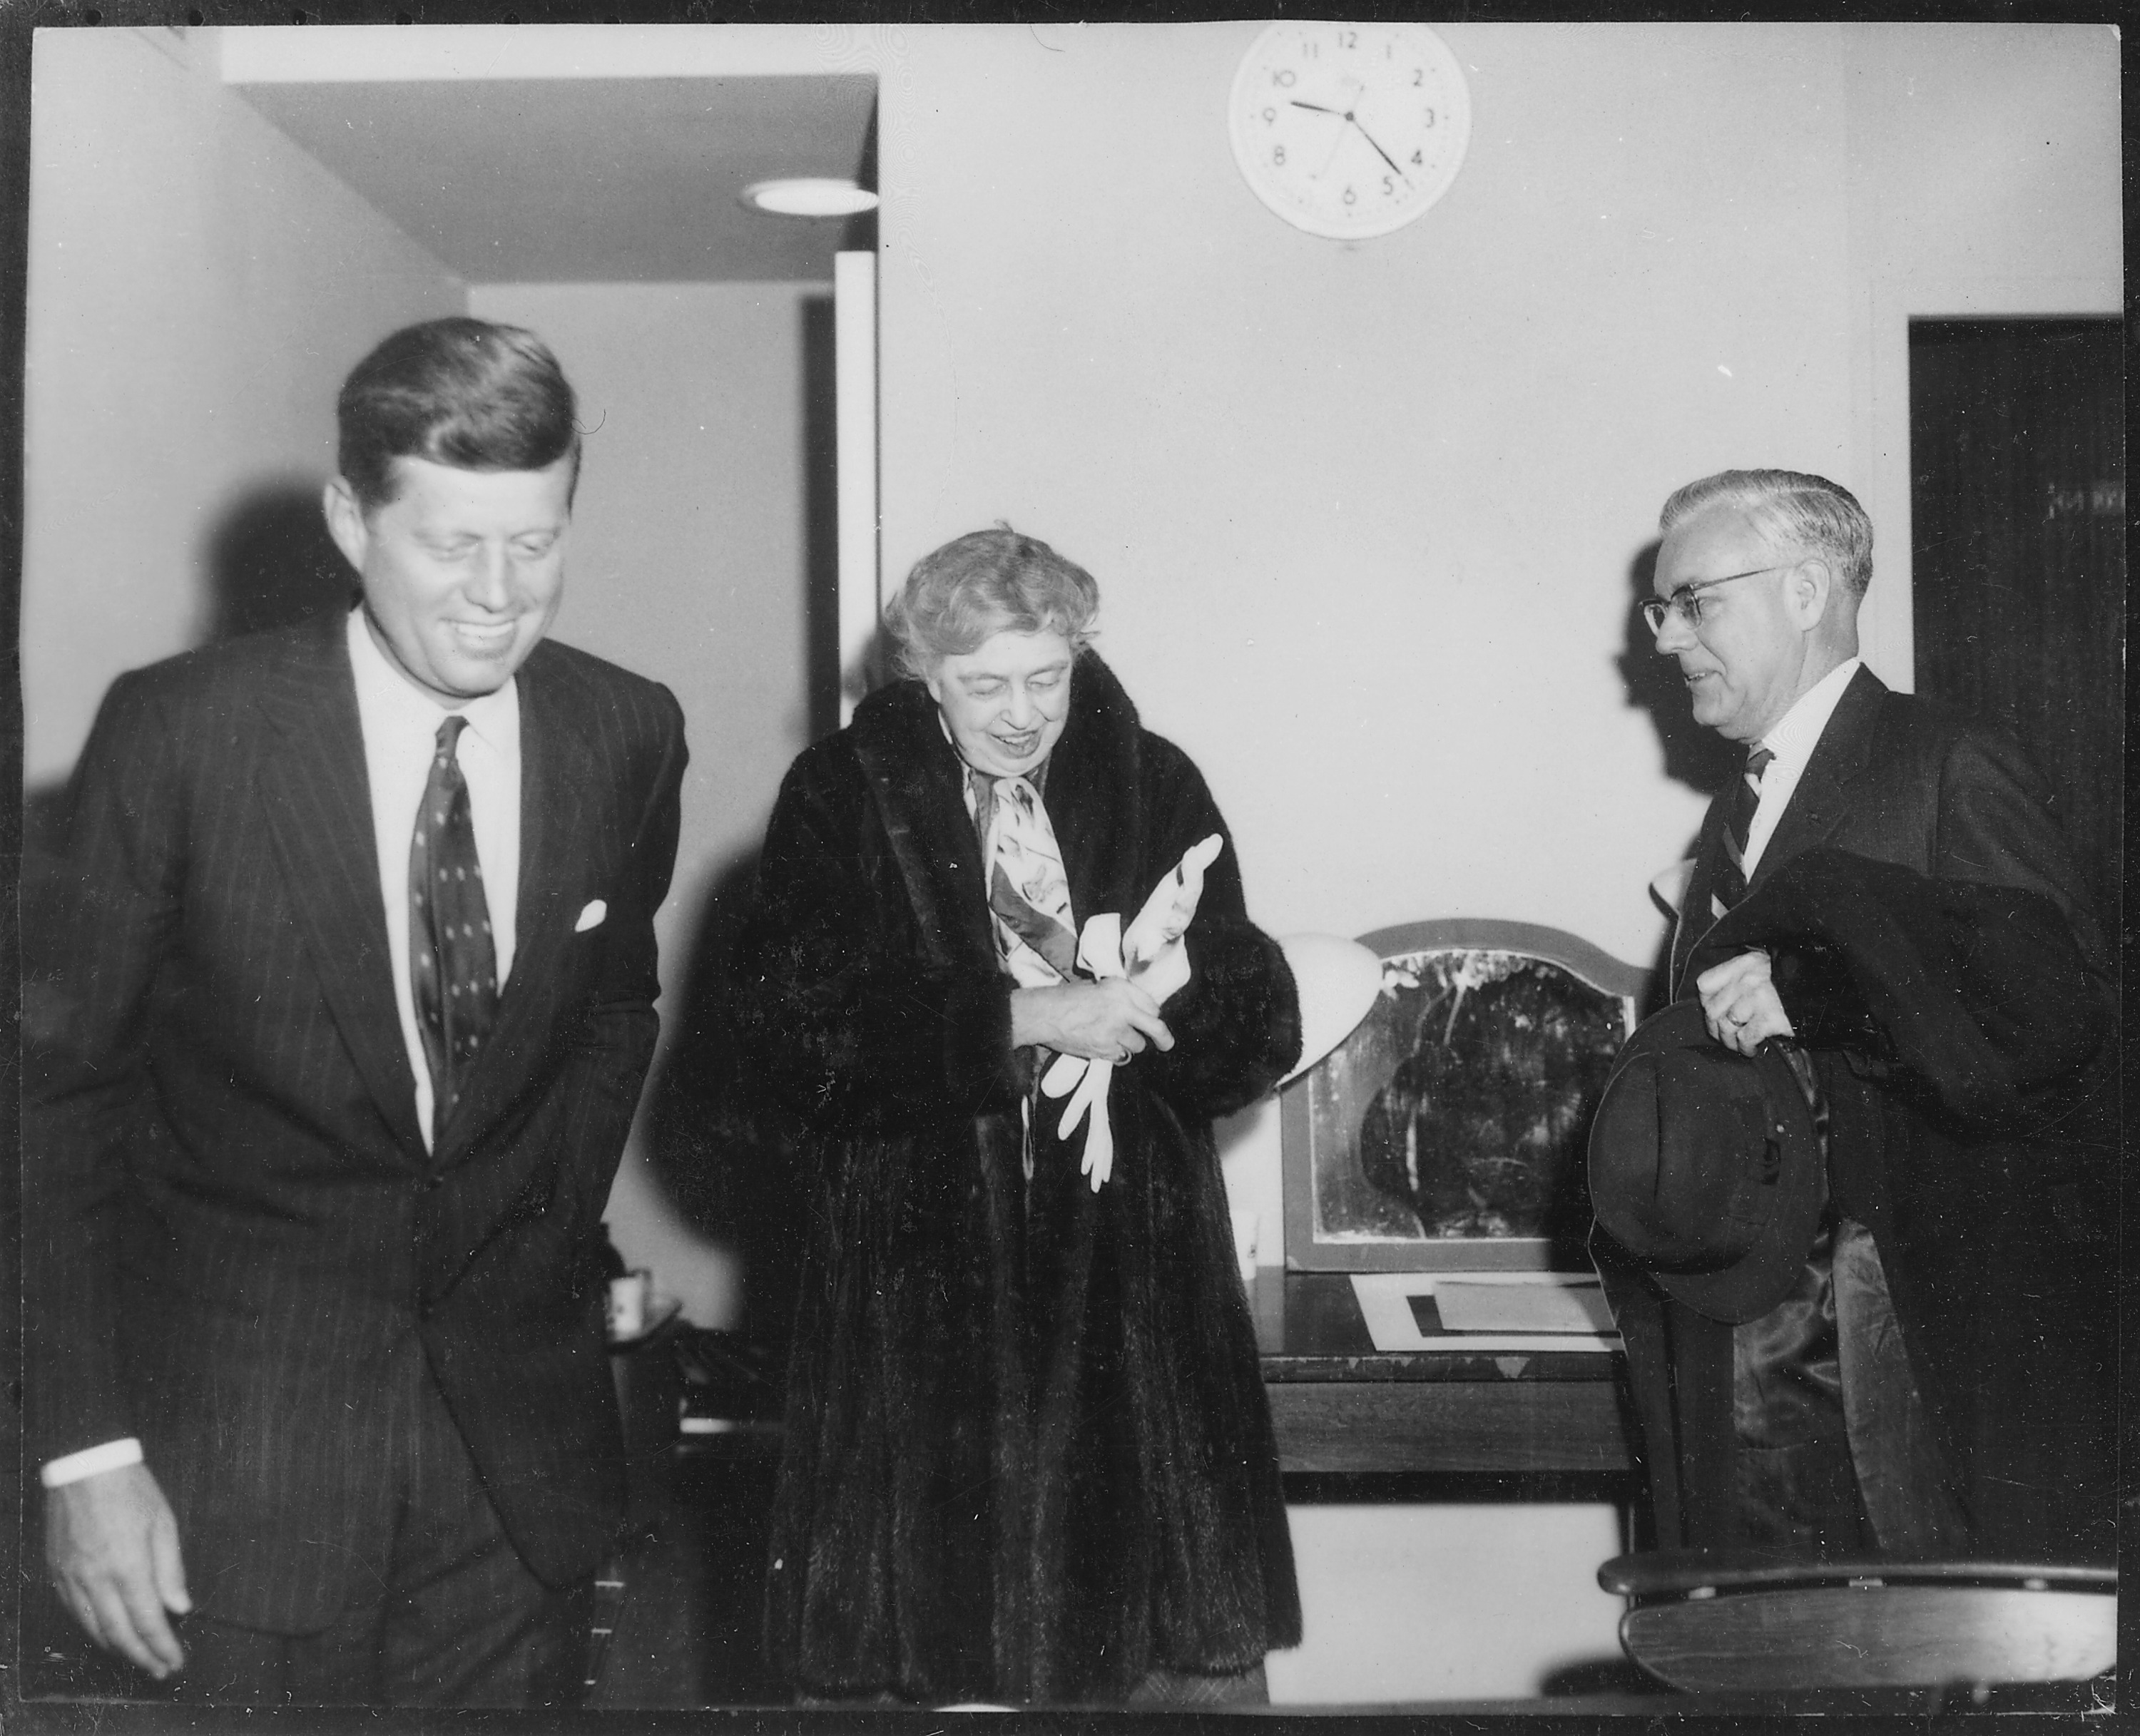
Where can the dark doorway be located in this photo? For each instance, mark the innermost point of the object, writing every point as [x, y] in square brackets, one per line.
[2017, 467]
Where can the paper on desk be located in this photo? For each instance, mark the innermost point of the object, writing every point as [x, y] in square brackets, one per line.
[1465, 1307]
[1537, 1311]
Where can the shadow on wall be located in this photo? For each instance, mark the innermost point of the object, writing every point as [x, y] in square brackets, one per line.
[269, 561]
[1694, 756]
[725, 1156]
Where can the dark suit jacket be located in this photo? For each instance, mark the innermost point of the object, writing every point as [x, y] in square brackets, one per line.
[1989, 1283]
[1898, 780]
[231, 1218]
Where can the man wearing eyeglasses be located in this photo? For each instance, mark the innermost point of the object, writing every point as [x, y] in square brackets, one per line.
[1883, 894]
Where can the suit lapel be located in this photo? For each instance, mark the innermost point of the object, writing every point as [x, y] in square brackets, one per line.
[1693, 917]
[317, 793]
[558, 779]
[1822, 799]
[1821, 802]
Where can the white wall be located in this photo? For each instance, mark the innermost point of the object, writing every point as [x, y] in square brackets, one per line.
[687, 564]
[197, 288]
[1463, 1602]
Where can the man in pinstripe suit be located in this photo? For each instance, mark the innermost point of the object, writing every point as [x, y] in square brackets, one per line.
[316, 1372]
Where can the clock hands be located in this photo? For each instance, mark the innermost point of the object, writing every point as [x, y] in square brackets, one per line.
[1352, 121]
[1380, 152]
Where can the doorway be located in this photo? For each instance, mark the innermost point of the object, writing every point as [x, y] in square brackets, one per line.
[2017, 500]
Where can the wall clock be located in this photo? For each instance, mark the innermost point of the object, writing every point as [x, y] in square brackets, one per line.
[1349, 130]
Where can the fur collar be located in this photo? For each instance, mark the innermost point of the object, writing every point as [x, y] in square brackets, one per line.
[917, 781]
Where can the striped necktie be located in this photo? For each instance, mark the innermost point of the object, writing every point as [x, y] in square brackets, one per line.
[1738, 824]
[452, 965]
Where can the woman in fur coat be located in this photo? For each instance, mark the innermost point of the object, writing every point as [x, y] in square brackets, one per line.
[1028, 1455]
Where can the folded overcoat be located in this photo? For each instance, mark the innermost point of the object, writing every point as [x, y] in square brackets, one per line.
[1027, 1454]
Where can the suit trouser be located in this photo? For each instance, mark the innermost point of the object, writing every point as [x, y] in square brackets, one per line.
[444, 1613]
[1837, 1455]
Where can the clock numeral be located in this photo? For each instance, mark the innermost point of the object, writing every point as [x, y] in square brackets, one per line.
[1277, 154]
[1418, 78]
[1389, 186]
[1284, 78]
[1350, 197]
[1311, 51]
[1349, 40]
[1430, 117]
[1270, 117]
[1417, 160]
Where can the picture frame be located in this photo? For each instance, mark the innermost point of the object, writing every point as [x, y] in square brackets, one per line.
[1448, 1131]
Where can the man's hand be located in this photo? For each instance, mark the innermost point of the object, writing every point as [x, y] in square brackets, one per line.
[1106, 1021]
[112, 1548]
[1739, 1004]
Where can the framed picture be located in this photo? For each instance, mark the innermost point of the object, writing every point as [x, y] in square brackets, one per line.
[1448, 1132]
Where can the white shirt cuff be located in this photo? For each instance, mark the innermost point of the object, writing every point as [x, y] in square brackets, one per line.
[73, 1467]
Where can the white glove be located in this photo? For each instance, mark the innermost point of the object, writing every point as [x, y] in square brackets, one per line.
[1086, 1082]
[1154, 956]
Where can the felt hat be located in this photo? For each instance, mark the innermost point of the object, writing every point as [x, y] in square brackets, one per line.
[1706, 1167]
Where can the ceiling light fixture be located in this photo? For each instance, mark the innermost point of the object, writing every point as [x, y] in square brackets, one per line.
[809, 197]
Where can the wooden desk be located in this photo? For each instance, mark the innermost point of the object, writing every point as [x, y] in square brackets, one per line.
[1339, 1405]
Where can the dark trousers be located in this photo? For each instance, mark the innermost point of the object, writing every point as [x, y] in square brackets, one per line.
[440, 1612]
[1837, 1455]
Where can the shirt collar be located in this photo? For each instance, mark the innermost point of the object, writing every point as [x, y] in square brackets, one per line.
[494, 718]
[1798, 732]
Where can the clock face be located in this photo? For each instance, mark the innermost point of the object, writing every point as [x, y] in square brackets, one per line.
[1349, 130]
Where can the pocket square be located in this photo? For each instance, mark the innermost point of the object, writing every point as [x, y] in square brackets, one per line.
[592, 917]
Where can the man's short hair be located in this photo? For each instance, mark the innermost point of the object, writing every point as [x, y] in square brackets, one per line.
[459, 391]
[1791, 507]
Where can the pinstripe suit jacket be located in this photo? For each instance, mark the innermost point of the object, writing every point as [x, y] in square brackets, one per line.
[231, 1217]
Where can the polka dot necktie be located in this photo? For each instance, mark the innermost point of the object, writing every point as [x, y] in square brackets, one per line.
[1738, 827]
[453, 967]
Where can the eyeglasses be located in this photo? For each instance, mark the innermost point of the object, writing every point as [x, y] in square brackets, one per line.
[1685, 602]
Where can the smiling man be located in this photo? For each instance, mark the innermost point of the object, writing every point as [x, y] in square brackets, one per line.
[344, 1021]
[1883, 895]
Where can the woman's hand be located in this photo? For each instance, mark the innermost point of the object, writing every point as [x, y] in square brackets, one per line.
[1106, 1021]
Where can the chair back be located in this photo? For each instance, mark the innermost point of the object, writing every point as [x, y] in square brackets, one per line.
[1708, 1620]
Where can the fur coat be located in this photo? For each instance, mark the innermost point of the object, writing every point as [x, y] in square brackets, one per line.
[1027, 1454]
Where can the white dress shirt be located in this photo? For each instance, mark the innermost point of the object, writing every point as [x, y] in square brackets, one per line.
[400, 727]
[1796, 733]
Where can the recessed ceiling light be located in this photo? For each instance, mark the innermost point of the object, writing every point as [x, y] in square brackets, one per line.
[817, 197]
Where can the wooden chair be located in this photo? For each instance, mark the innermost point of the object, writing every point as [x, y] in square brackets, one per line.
[1714, 1621]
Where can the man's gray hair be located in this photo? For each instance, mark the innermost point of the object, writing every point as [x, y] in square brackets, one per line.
[1791, 507]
